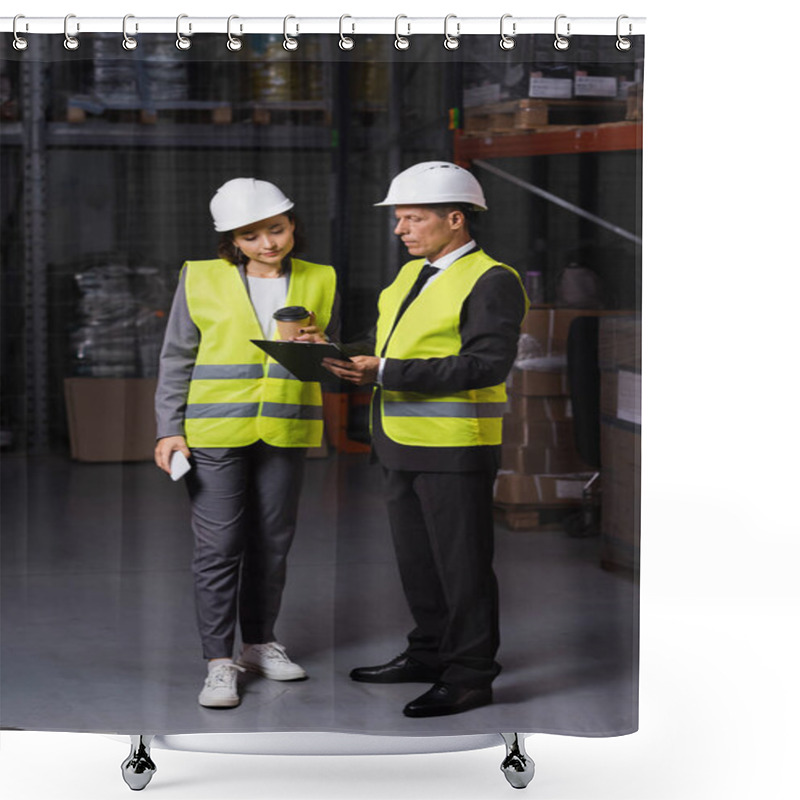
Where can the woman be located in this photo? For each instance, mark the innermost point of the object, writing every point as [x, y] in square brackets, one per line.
[244, 421]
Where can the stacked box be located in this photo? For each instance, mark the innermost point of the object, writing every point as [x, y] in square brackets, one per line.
[619, 356]
[540, 465]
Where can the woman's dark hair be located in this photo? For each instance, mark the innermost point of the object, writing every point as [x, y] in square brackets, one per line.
[230, 252]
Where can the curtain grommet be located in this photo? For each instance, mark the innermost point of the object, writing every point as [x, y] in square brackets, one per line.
[623, 44]
[451, 42]
[290, 43]
[233, 44]
[71, 43]
[507, 42]
[561, 43]
[401, 42]
[346, 42]
[182, 42]
[128, 42]
[20, 43]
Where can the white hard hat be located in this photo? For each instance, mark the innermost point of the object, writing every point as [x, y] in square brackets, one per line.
[244, 200]
[435, 182]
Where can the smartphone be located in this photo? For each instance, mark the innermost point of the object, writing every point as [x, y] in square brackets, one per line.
[178, 465]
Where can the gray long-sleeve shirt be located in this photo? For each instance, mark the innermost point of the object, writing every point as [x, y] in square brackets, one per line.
[178, 354]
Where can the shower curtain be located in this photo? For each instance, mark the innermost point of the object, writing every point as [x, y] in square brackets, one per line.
[109, 158]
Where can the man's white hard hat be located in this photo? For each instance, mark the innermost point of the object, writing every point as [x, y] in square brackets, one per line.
[244, 200]
[435, 182]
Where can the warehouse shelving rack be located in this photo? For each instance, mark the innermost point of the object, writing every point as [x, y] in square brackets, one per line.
[34, 135]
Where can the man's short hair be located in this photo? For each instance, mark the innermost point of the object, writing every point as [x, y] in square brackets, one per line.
[443, 209]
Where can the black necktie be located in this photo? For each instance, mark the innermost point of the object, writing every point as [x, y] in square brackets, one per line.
[425, 273]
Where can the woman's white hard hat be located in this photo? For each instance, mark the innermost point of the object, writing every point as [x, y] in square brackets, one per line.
[435, 182]
[244, 200]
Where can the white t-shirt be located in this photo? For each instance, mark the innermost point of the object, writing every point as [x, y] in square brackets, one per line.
[267, 296]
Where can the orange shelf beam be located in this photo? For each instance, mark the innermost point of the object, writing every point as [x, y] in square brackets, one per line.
[579, 139]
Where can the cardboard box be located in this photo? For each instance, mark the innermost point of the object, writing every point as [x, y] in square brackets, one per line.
[620, 452]
[111, 419]
[538, 382]
[540, 409]
[528, 460]
[620, 343]
[550, 326]
[552, 490]
[550, 88]
[538, 434]
[595, 86]
[621, 396]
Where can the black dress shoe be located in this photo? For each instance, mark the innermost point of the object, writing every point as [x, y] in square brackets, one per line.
[444, 698]
[402, 669]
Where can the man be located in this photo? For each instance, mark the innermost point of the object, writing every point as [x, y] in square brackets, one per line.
[446, 339]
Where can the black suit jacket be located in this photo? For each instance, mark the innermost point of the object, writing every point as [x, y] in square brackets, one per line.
[490, 322]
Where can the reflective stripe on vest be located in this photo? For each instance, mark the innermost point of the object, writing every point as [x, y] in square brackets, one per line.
[430, 328]
[237, 395]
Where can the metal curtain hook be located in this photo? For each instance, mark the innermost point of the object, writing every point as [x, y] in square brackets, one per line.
[19, 42]
[623, 43]
[451, 42]
[128, 42]
[507, 42]
[234, 44]
[401, 42]
[71, 42]
[289, 43]
[182, 42]
[346, 42]
[561, 42]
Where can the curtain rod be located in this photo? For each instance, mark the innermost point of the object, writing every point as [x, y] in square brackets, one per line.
[452, 25]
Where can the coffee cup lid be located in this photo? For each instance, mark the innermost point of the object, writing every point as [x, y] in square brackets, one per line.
[290, 314]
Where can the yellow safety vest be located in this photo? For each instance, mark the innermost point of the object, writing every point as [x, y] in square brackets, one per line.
[238, 394]
[430, 328]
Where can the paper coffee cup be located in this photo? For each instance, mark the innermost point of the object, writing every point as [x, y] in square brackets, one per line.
[289, 321]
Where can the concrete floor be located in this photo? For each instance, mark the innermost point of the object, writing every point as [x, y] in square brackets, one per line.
[98, 630]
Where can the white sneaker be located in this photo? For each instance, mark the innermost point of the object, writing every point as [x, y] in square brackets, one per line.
[219, 690]
[271, 661]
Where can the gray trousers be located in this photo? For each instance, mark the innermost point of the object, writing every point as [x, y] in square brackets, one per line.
[244, 509]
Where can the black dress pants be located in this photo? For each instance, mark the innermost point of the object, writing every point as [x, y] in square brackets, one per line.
[443, 533]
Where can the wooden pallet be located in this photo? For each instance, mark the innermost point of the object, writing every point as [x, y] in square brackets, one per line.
[529, 114]
[291, 113]
[218, 113]
[531, 517]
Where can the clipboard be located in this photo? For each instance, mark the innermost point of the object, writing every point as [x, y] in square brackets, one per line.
[302, 359]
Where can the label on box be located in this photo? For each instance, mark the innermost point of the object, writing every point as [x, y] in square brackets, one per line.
[554, 88]
[482, 95]
[595, 86]
[629, 394]
[569, 490]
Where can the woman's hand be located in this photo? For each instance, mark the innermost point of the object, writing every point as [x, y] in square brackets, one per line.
[361, 370]
[311, 333]
[166, 447]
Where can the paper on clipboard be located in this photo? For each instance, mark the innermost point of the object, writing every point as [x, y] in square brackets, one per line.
[302, 359]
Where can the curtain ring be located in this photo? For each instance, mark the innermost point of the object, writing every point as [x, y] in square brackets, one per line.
[622, 43]
[71, 42]
[19, 42]
[234, 44]
[401, 42]
[507, 42]
[561, 42]
[289, 43]
[345, 42]
[451, 42]
[182, 42]
[128, 42]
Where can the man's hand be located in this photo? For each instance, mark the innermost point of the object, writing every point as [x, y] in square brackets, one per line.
[362, 370]
[166, 447]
